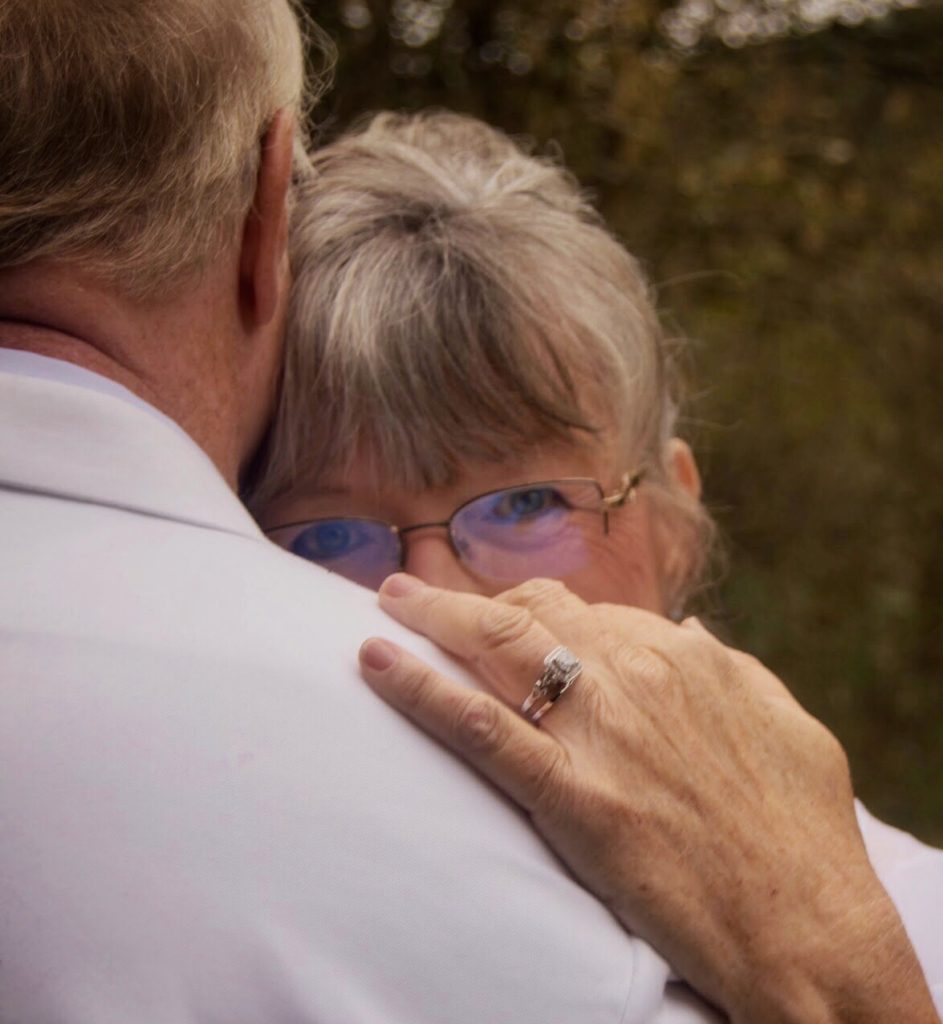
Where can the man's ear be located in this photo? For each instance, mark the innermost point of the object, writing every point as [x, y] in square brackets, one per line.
[262, 275]
[682, 466]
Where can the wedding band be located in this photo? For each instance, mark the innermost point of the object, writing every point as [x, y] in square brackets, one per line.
[561, 670]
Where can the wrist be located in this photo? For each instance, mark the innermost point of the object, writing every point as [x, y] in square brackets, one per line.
[847, 961]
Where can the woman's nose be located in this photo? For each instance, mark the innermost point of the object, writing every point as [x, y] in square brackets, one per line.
[430, 556]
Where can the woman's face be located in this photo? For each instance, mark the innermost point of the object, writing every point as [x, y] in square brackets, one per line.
[522, 533]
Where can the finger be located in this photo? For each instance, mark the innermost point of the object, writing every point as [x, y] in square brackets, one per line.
[756, 675]
[502, 643]
[519, 759]
[577, 623]
[545, 598]
[752, 670]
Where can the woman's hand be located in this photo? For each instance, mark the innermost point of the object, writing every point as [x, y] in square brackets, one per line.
[682, 784]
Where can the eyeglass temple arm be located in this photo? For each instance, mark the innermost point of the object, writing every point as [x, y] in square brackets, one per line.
[620, 497]
[625, 493]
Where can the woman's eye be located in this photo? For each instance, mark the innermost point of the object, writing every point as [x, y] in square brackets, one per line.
[331, 539]
[528, 503]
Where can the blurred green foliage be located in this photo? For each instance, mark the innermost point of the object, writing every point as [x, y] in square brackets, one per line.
[778, 166]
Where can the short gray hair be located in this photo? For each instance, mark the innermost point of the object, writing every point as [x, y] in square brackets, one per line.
[130, 130]
[457, 299]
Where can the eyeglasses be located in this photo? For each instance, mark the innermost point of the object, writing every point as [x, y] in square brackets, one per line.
[550, 529]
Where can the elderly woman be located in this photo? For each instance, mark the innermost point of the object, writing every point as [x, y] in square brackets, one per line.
[477, 390]
[477, 387]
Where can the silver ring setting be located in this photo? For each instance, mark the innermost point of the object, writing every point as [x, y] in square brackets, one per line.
[561, 670]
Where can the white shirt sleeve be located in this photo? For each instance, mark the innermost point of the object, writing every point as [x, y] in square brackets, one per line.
[912, 873]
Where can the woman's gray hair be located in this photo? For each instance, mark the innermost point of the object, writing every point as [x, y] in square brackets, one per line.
[457, 300]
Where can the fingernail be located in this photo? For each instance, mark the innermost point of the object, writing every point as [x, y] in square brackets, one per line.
[400, 584]
[377, 655]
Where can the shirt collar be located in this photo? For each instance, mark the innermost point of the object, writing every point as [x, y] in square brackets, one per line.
[82, 437]
[30, 364]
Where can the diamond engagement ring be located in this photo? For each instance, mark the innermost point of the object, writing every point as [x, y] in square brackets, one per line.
[561, 670]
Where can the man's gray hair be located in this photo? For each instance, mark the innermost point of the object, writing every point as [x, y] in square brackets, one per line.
[130, 129]
[456, 300]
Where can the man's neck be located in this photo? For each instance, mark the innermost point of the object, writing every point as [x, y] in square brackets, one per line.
[50, 342]
[160, 354]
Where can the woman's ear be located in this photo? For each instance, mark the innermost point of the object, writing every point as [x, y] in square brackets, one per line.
[676, 541]
[682, 466]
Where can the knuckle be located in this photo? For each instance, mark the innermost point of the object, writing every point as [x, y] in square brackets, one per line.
[748, 665]
[479, 726]
[544, 774]
[613, 614]
[537, 592]
[595, 704]
[718, 662]
[414, 683]
[832, 752]
[504, 625]
[751, 661]
[647, 667]
[624, 612]
[645, 663]
[428, 598]
[825, 753]
[482, 732]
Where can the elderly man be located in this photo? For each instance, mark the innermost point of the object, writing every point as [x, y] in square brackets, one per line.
[205, 815]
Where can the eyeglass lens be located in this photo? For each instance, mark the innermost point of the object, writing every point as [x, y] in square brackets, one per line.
[543, 530]
[547, 529]
[363, 550]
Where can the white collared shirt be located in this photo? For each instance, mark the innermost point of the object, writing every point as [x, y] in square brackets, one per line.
[17, 362]
[206, 815]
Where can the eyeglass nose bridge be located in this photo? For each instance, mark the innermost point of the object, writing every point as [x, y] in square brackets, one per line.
[444, 524]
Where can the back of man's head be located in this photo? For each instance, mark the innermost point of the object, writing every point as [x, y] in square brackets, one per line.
[130, 129]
